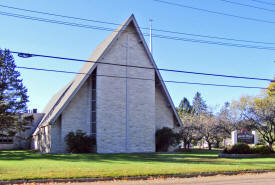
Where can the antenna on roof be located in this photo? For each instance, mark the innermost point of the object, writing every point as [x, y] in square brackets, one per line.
[150, 46]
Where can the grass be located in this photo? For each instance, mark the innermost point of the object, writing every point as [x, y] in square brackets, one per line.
[29, 165]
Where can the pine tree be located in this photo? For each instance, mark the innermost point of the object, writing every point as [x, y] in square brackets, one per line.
[199, 104]
[13, 97]
[185, 107]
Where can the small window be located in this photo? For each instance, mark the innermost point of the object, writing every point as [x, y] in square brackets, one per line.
[6, 140]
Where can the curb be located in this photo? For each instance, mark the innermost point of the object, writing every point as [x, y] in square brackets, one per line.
[75, 180]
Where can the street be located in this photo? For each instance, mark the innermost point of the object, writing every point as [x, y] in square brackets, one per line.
[251, 179]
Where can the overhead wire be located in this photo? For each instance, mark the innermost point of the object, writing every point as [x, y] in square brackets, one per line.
[27, 55]
[264, 2]
[248, 5]
[214, 12]
[144, 28]
[166, 81]
[159, 36]
[153, 35]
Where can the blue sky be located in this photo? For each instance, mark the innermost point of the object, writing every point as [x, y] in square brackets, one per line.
[60, 40]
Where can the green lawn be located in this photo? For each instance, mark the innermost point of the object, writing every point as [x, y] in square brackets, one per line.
[28, 165]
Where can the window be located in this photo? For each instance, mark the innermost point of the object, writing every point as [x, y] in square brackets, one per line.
[6, 140]
[93, 104]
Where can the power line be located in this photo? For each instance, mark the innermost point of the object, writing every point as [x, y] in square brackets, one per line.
[59, 15]
[213, 37]
[213, 42]
[154, 29]
[55, 21]
[214, 12]
[25, 55]
[154, 35]
[263, 2]
[247, 5]
[167, 81]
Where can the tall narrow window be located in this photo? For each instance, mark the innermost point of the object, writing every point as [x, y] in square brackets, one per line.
[93, 104]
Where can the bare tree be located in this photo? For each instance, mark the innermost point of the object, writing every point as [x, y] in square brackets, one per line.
[208, 128]
[189, 132]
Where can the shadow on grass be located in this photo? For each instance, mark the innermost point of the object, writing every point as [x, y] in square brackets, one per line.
[141, 157]
[196, 156]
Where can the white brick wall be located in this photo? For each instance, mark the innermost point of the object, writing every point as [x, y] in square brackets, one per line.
[164, 113]
[74, 117]
[111, 99]
[147, 107]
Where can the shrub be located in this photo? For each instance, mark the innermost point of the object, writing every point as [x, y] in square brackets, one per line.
[240, 148]
[165, 137]
[261, 149]
[226, 150]
[79, 142]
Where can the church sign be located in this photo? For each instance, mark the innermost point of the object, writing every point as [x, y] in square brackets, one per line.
[245, 137]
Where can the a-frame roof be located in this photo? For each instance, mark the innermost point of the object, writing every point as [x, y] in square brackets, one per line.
[61, 99]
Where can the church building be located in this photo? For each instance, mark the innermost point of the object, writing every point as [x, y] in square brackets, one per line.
[118, 96]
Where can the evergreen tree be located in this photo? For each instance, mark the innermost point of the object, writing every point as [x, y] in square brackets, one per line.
[13, 97]
[199, 104]
[185, 107]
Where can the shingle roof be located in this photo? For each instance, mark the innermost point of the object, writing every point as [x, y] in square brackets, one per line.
[63, 97]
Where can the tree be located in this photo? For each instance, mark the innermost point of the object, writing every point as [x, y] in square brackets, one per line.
[260, 112]
[13, 97]
[199, 104]
[208, 129]
[225, 123]
[185, 107]
[189, 131]
[271, 89]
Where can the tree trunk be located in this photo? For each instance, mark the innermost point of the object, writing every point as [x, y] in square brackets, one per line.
[270, 145]
[209, 146]
[184, 145]
[218, 144]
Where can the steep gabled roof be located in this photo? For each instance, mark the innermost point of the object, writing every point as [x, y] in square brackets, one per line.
[62, 99]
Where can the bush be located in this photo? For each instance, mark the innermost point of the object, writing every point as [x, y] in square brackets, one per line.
[261, 149]
[165, 137]
[227, 150]
[79, 142]
[240, 148]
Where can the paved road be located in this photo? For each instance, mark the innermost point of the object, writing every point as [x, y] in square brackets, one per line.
[248, 179]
